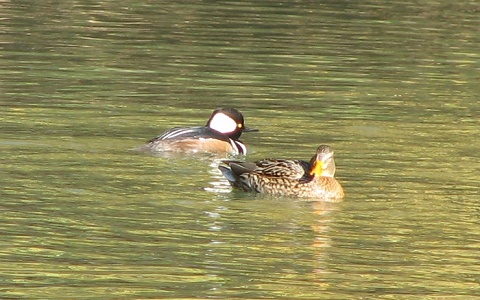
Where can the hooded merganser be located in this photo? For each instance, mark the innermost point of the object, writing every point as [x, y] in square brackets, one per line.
[219, 135]
[314, 179]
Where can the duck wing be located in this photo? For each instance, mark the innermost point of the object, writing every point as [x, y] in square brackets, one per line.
[196, 132]
[282, 168]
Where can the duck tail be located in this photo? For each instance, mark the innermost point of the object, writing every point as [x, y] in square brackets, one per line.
[227, 172]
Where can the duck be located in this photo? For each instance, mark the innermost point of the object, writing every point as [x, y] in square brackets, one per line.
[287, 177]
[220, 135]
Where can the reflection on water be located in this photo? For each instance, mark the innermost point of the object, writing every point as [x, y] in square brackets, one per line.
[391, 86]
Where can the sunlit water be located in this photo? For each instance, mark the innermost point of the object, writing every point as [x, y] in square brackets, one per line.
[391, 86]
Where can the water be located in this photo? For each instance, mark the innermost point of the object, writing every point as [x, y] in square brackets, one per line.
[391, 86]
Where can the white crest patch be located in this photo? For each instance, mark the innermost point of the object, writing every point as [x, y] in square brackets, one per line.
[223, 123]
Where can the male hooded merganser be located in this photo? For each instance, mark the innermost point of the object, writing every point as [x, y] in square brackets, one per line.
[297, 178]
[219, 135]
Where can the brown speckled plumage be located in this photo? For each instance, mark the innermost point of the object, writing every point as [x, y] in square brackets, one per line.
[283, 177]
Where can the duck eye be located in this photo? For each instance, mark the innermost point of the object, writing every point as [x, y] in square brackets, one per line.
[239, 125]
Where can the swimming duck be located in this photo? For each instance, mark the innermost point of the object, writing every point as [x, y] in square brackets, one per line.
[285, 177]
[220, 134]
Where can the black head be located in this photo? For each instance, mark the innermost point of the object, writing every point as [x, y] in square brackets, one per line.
[228, 121]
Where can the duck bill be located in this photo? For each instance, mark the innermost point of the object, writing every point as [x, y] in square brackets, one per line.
[249, 129]
[317, 168]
